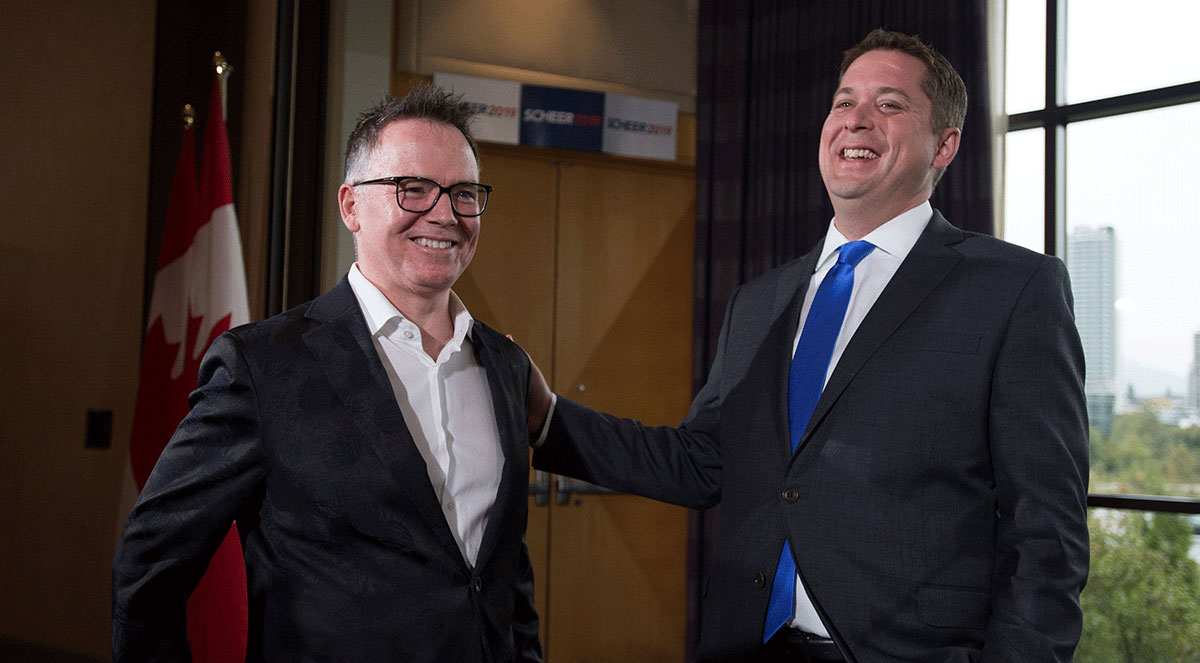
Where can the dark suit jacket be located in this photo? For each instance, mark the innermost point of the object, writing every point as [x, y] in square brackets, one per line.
[296, 435]
[936, 504]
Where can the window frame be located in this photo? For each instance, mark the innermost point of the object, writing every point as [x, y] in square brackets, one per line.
[1053, 118]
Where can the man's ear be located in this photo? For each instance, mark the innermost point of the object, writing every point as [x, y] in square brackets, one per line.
[348, 206]
[947, 147]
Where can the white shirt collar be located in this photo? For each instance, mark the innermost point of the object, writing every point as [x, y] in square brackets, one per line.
[896, 237]
[378, 310]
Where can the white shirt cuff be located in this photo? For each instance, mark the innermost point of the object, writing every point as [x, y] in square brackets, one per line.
[541, 438]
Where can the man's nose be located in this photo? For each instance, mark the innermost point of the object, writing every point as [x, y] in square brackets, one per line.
[859, 118]
[443, 211]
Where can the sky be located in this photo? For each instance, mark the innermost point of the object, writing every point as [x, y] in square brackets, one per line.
[1137, 173]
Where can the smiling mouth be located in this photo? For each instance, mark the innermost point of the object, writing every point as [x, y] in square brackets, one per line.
[433, 243]
[859, 153]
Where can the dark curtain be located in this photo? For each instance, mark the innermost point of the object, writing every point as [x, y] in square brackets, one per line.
[767, 71]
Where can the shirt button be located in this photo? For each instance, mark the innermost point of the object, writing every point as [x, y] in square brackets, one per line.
[760, 580]
[449, 506]
[477, 585]
[790, 495]
[408, 334]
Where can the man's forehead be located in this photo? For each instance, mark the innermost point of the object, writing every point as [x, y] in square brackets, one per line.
[420, 130]
[421, 139]
[885, 71]
[888, 63]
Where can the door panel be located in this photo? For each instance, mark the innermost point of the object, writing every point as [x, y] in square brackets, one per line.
[589, 267]
[618, 587]
[623, 345]
[510, 283]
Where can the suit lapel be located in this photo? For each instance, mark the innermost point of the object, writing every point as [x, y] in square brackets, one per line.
[926, 265]
[510, 427]
[789, 299]
[343, 348]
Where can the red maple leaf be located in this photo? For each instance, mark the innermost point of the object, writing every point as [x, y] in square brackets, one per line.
[162, 401]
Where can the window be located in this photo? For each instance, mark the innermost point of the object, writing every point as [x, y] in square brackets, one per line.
[1103, 106]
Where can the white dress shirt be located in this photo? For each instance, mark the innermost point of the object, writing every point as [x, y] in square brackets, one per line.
[447, 406]
[893, 240]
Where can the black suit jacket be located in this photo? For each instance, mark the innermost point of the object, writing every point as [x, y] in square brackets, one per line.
[295, 433]
[936, 504]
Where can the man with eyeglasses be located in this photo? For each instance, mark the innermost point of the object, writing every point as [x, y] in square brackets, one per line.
[371, 444]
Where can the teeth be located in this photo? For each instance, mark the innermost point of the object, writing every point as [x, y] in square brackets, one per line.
[433, 243]
[859, 154]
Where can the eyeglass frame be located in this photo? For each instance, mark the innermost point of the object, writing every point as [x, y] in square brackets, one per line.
[396, 180]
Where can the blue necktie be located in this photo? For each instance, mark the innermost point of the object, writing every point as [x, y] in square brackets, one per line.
[810, 363]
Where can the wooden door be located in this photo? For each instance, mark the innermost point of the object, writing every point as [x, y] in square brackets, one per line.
[588, 263]
[622, 345]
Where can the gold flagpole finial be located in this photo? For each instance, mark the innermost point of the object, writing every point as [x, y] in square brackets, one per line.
[188, 116]
[222, 65]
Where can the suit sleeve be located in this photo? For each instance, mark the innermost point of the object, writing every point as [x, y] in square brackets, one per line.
[678, 465]
[203, 477]
[1039, 435]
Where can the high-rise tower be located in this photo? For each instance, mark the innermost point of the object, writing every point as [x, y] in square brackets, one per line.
[1091, 260]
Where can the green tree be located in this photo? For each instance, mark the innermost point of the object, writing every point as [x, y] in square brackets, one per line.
[1144, 455]
[1142, 601]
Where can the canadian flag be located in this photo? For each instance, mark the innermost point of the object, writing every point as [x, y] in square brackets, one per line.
[199, 292]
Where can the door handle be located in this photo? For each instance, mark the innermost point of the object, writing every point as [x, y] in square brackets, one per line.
[566, 486]
[539, 488]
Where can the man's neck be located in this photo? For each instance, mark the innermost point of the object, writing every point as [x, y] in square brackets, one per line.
[855, 228]
[857, 221]
[431, 315]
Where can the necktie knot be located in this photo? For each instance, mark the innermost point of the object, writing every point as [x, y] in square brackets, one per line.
[851, 253]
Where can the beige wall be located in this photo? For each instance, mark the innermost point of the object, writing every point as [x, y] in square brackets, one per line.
[75, 127]
[639, 47]
[360, 69]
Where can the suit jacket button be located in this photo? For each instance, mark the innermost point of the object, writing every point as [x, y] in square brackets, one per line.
[760, 580]
[790, 495]
[477, 585]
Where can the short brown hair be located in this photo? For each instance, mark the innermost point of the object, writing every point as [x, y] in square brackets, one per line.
[941, 83]
[426, 102]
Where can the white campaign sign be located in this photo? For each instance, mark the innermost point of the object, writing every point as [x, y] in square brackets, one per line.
[638, 127]
[496, 102]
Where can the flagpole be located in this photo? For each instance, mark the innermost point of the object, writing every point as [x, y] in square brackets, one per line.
[217, 613]
[223, 69]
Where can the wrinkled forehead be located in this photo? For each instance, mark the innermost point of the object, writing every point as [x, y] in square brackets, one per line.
[886, 68]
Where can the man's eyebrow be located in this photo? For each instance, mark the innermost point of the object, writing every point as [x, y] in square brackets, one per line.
[896, 91]
[878, 91]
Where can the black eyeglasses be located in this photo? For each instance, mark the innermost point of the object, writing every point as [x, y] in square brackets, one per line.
[419, 195]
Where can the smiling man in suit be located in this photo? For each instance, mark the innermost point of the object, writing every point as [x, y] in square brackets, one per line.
[894, 424]
[371, 444]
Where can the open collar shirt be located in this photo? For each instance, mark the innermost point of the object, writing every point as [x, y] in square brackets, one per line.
[447, 406]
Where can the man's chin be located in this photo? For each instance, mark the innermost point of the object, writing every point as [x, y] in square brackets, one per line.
[435, 286]
[846, 192]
